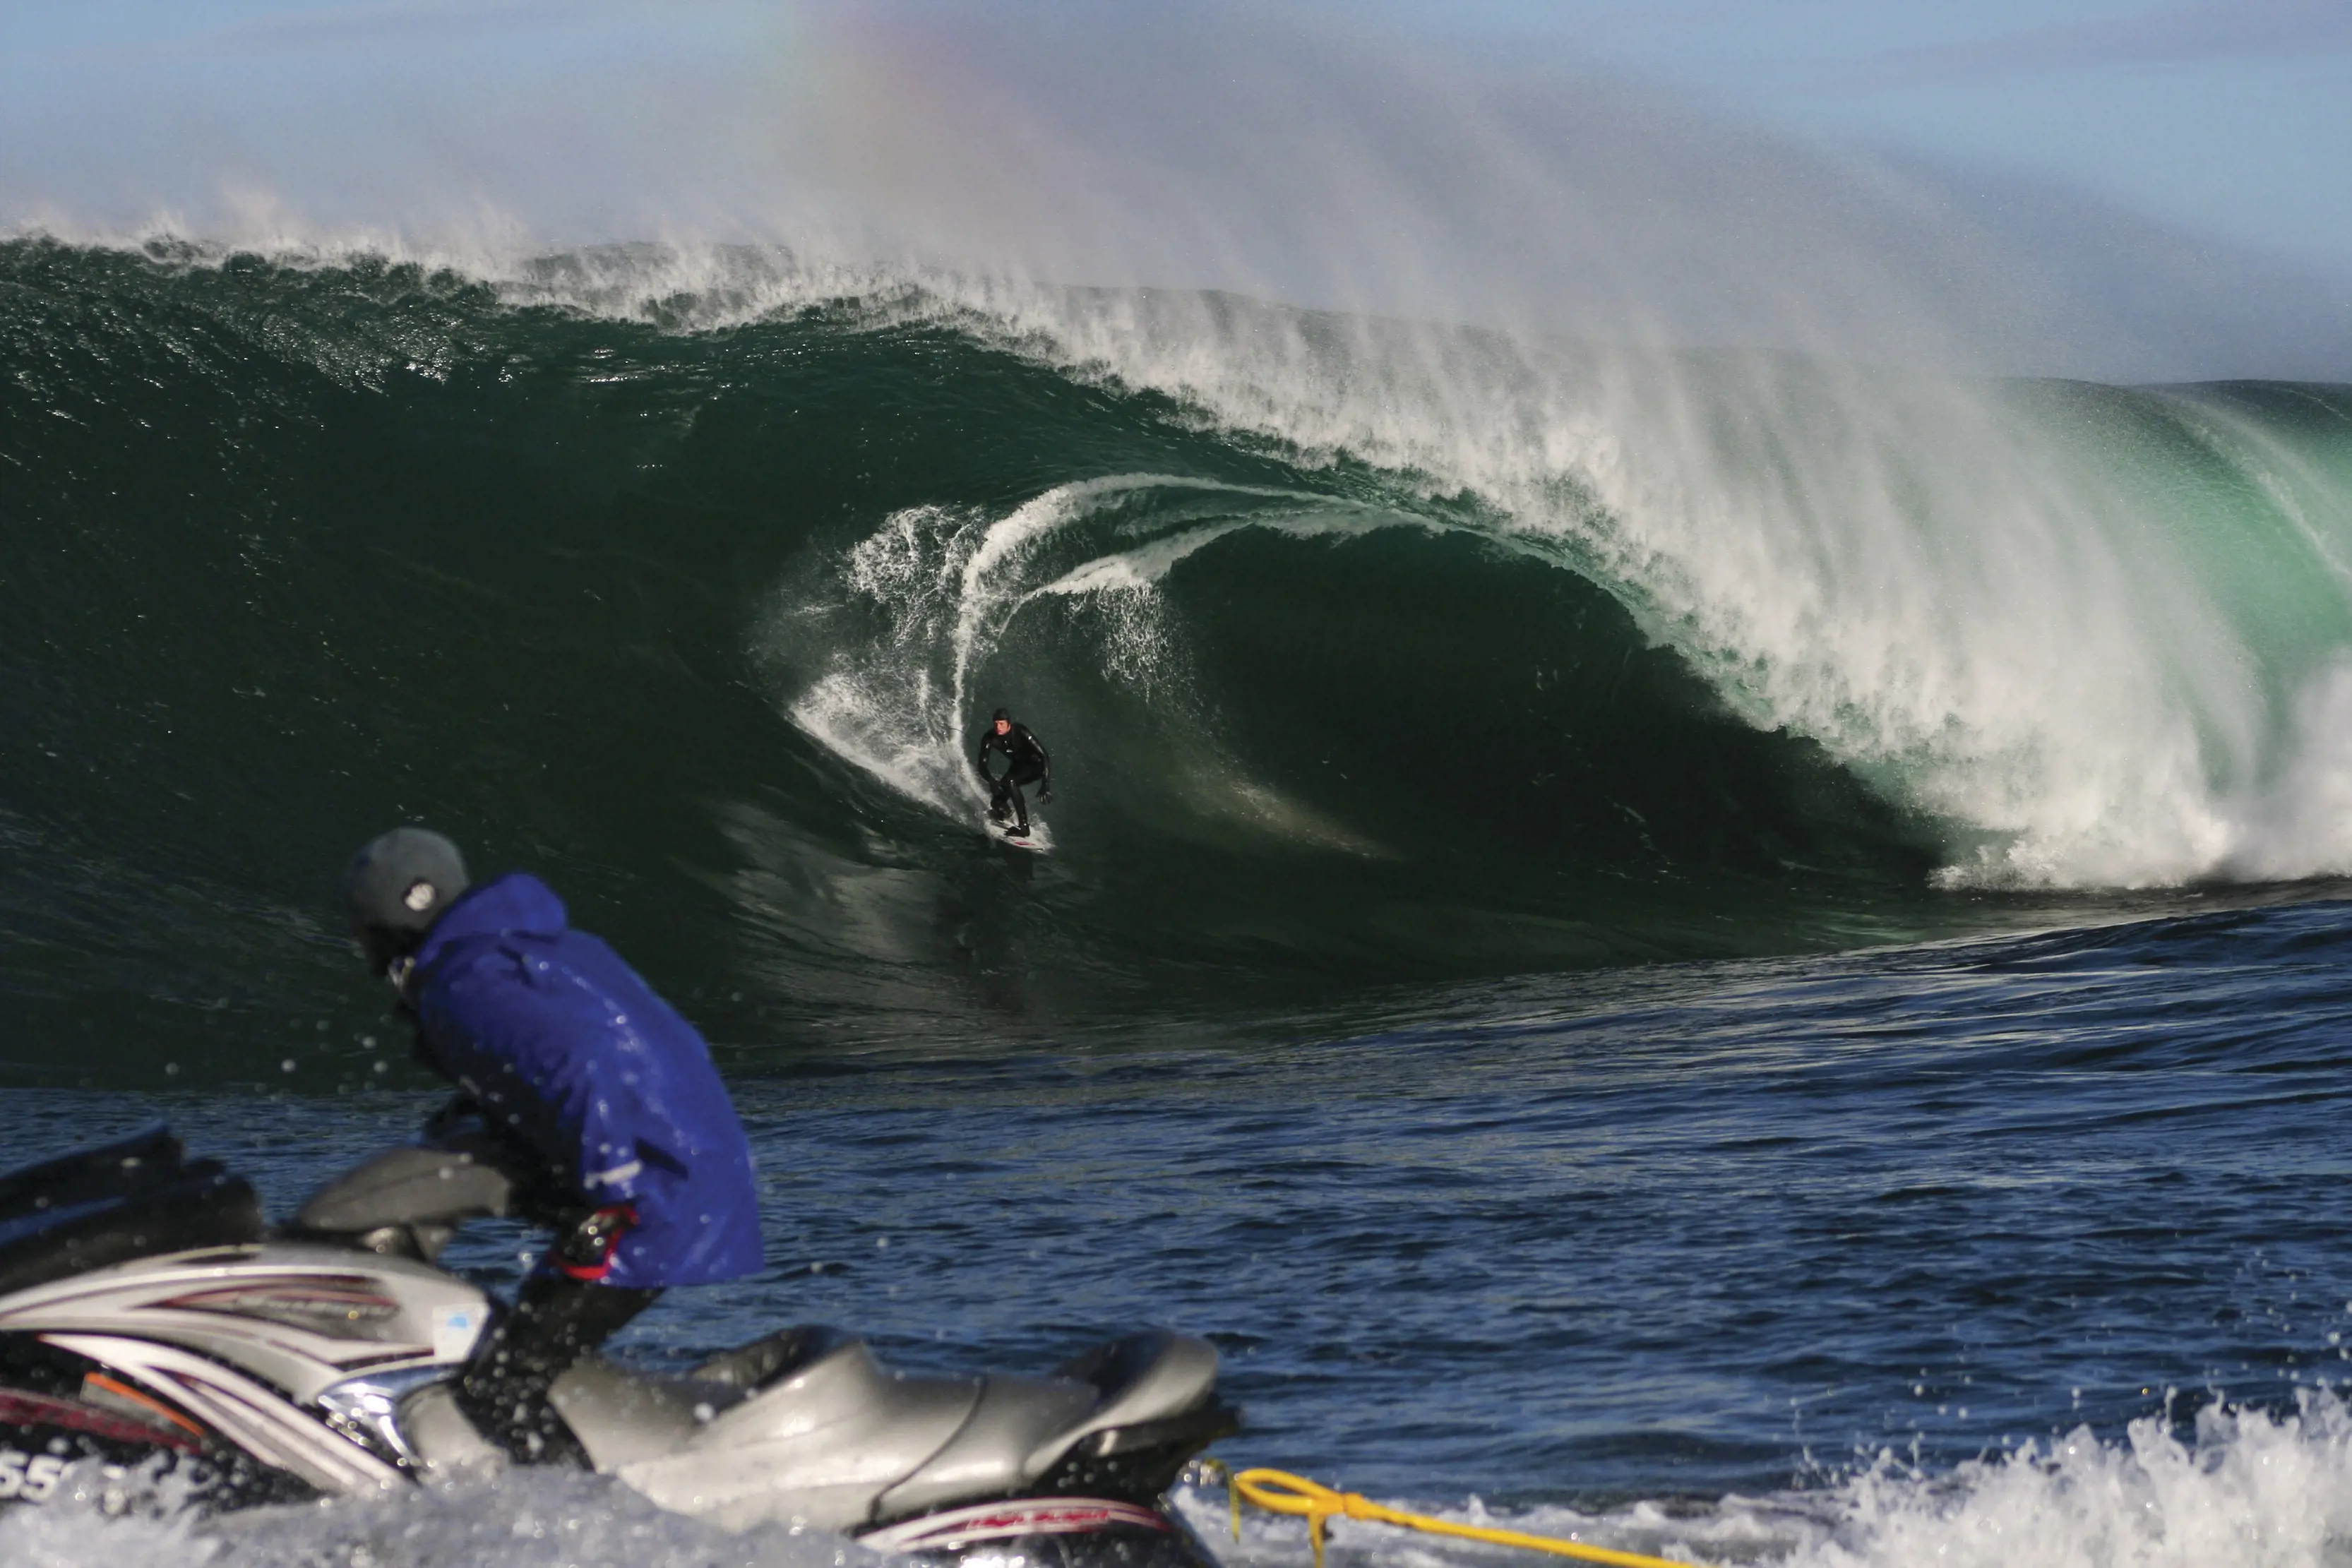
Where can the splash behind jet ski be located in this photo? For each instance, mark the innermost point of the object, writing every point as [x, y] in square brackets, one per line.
[148, 1317]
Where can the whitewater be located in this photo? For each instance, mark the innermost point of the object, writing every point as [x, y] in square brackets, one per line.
[2251, 1488]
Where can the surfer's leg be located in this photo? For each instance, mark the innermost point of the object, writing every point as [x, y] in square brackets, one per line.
[1015, 776]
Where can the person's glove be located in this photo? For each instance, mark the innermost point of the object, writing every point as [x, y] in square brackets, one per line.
[1046, 796]
[585, 1251]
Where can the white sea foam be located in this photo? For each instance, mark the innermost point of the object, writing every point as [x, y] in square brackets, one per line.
[2248, 1489]
[939, 589]
[1958, 590]
[526, 1520]
[945, 584]
[1909, 570]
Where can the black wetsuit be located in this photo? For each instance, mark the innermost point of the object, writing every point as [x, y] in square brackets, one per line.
[1027, 764]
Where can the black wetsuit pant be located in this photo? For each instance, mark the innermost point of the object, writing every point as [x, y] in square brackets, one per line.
[555, 1322]
[1004, 794]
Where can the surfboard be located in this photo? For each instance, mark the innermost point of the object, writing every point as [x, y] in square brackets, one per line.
[1037, 841]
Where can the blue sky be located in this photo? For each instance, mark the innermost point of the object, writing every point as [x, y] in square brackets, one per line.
[2232, 118]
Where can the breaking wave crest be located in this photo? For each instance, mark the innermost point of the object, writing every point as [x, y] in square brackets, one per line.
[1509, 651]
[2105, 634]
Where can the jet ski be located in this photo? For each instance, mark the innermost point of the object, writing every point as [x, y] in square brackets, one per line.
[149, 1317]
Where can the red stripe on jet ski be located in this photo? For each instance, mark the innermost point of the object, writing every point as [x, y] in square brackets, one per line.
[1058, 1516]
[19, 1408]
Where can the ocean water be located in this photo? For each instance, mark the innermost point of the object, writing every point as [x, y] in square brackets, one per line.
[1734, 954]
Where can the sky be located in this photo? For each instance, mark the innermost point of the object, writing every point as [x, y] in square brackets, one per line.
[2202, 147]
[2230, 117]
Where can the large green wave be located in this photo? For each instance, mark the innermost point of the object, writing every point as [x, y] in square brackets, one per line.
[691, 605]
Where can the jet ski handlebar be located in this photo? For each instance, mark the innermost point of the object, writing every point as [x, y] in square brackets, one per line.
[409, 1201]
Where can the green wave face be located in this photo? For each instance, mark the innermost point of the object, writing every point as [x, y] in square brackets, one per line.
[1354, 674]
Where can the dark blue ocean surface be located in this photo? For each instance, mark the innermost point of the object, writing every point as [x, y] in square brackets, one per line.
[1661, 1235]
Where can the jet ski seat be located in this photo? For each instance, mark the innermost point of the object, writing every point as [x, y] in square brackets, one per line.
[1121, 1417]
[621, 1414]
[828, 1378]
[1144, 1376]
[133, 1199]
[1124, 1416]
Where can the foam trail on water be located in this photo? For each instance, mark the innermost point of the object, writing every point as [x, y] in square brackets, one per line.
[947, 586]
[519, 1521]
[2263, 1489]
[2252, 1489]
[526, 1520]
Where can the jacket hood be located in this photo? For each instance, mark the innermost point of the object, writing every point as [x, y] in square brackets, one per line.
[516, 902]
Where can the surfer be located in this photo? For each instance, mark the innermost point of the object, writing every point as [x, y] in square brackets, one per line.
[1025, 763]
[592, 1081]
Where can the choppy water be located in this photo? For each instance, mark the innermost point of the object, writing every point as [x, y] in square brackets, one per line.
[2020, 1251]
[1699, 950]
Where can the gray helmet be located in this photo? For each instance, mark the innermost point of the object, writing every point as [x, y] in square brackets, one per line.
[396, 887]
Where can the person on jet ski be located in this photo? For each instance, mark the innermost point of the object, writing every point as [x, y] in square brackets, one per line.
[1025, 763]
[601, 1092]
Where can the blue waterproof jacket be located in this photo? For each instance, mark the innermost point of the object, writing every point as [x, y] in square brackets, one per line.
[565, 1048]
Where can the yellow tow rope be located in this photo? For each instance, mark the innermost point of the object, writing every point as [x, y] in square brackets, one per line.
[1279, 1492]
